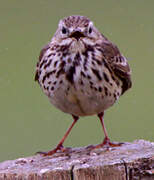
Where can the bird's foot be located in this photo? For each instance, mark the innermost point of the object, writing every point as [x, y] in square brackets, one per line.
[107, 143]
[53, 151]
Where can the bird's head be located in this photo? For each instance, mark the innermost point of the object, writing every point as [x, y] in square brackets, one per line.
[76, 28]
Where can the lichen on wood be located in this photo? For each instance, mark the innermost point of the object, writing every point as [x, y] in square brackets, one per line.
[131, 161]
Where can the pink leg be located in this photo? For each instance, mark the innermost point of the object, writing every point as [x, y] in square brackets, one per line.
[106, 140]
[60, 144]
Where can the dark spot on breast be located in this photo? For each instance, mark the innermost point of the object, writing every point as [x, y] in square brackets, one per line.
[76, 63]
[48, 64]
[105, 77]
[91, 86]
[52, 72]
[52, 88]
[52, 48]
[77, 59]
[89, 48]
[95, 88]
[61, 71]
[59, 54]
[117, 60]
[106, 90]
[55, 47]
[97, 74]
[47, 75]
[111, 84]
[97, 61]
[93, 55]
[83, 74]
[55, 63]
[62, 64]
[43, 62]
[51, 54]
[81, 82]
[85, 53]
[85, 63]
[44, 77]
[63, 48]
[93, 63]
[70, 74]
[60, 82]
[65, 54]
[100, 89]
[69, 60]
[88, 76]
[113, 78]
[117, 82]
[120, 59]
[85, 68]
[91, 82]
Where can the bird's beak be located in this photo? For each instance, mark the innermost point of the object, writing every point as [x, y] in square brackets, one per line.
[77, 35]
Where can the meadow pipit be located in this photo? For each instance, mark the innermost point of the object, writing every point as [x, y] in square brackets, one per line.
[82, 72]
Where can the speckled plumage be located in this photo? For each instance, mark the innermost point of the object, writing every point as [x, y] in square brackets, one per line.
[80, 70]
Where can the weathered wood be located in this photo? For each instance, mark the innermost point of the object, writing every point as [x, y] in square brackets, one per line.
[131, 161]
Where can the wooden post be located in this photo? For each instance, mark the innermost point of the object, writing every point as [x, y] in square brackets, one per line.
[131, 161]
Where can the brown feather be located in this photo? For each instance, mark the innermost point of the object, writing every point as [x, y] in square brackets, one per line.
[44, 49]
[117, 63]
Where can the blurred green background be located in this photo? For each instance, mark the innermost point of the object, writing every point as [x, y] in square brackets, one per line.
[28, 122]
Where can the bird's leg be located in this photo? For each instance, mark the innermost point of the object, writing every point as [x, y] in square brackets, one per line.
[60, 144]
[106, 141]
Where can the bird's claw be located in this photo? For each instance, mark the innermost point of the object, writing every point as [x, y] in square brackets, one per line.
[107, 143]
[50, 153]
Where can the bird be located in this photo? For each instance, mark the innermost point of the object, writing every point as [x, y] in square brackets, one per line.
[82, 73]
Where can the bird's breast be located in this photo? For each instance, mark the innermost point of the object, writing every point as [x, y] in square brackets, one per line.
[79, 83]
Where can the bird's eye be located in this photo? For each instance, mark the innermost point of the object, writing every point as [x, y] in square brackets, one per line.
[90, 30]
[64, 30]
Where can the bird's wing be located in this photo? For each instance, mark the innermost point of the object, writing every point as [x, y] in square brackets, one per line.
[43, 51]
[117, 63]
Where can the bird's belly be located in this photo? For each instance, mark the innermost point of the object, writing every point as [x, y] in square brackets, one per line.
[81, 102]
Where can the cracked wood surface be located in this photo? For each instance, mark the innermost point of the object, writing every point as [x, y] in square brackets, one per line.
[131, 161]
